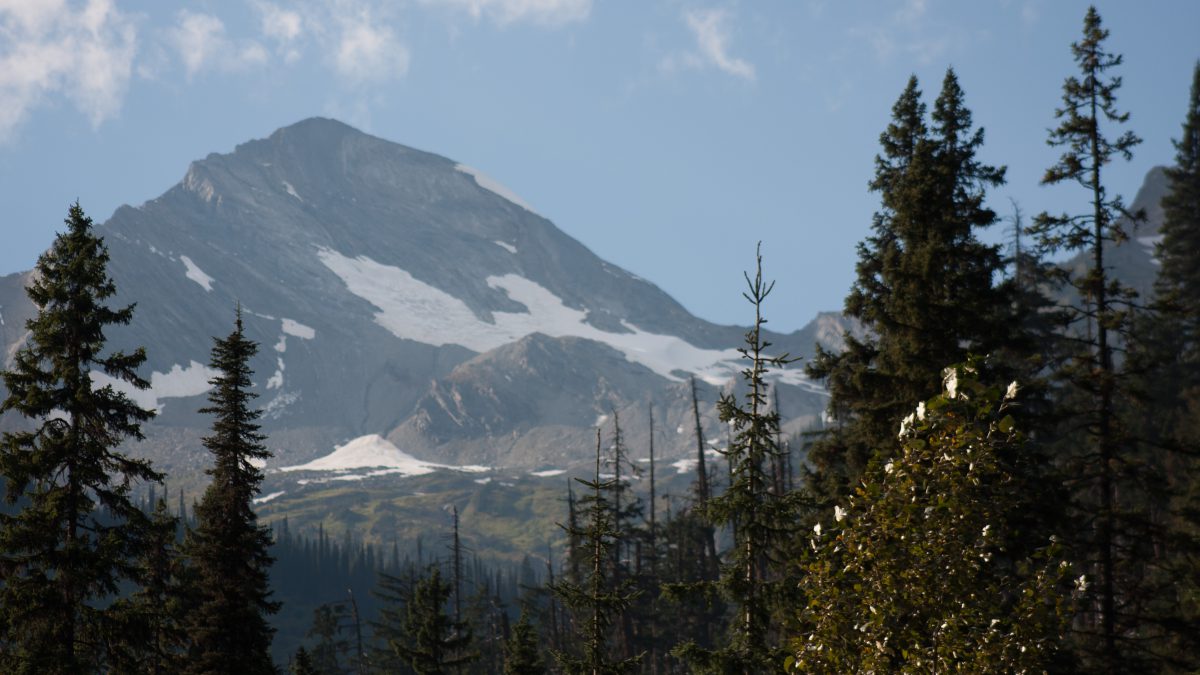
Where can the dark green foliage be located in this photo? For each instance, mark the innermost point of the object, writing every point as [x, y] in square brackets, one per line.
[1179, 277]
[394, 594]
[1164, 361]
[302, 664]
[760, 519]
[77, 535]
[912, 575]
[433, 643]
[595, 602]
[628, 538]
[1178, 289]
[330, 646]
[487, 617]
[689, 566]
[926, 288]
[521, 655]
[1109, 478]
[155, 635]
[228, 548]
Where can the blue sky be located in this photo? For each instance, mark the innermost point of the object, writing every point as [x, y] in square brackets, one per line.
[667, 135]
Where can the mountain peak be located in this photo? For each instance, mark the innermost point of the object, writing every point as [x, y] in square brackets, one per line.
[318, 125]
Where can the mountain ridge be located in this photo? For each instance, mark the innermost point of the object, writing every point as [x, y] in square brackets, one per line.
[370, 273]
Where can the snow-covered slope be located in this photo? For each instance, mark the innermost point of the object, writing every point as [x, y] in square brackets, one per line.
[374, 452]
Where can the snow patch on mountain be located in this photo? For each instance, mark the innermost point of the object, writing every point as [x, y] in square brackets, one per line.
[196, 274]
[266, 498]
[488, 183]
[179, 382]
[506, 246]
[375, 452]
[277, 405]
[685, 466]
[413, 310]
[1150, 243]
[297, 329]
[291, 190]
[547, 473]
[276, 380]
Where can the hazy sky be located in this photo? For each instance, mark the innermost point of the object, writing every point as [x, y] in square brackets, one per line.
[667, 135]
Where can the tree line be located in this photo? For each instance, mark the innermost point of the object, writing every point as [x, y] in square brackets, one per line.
[1008, 481]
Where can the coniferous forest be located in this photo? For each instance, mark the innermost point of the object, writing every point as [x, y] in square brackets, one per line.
[1008, 479]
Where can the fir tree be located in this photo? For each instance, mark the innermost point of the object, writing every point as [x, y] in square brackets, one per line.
[326, 628]
[155, 636]
[521, 656]
[762, 517]
[1178, 287]
[1179, 276]
[393, 592]
[925, 288]
[911, 573]
[1091, 379]
[433, 642]
[594, 602]
[302, 663]
[1164, 361]
[76, 534]
[228, 550]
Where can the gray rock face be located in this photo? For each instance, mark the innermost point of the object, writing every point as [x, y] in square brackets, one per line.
[395, 292]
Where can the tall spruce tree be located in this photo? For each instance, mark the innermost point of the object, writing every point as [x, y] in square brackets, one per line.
[228, 549]
[1179, 287]
[763, 518]
[1102, 458]
[76, 533]
[926, 287]
[1164, 361]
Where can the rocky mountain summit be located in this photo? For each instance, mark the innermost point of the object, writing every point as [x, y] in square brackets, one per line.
[399, 295]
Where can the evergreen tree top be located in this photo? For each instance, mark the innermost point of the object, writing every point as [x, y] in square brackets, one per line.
[1087, 99]
[1179, 279]
[235, 440]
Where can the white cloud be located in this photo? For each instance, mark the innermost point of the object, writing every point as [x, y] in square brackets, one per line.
[355, 38]
[710, 29]
[82, 51]
[367, 50]
[197, 39]
[283, 26]
[280, 24]
[549, 13]
[202, 43]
